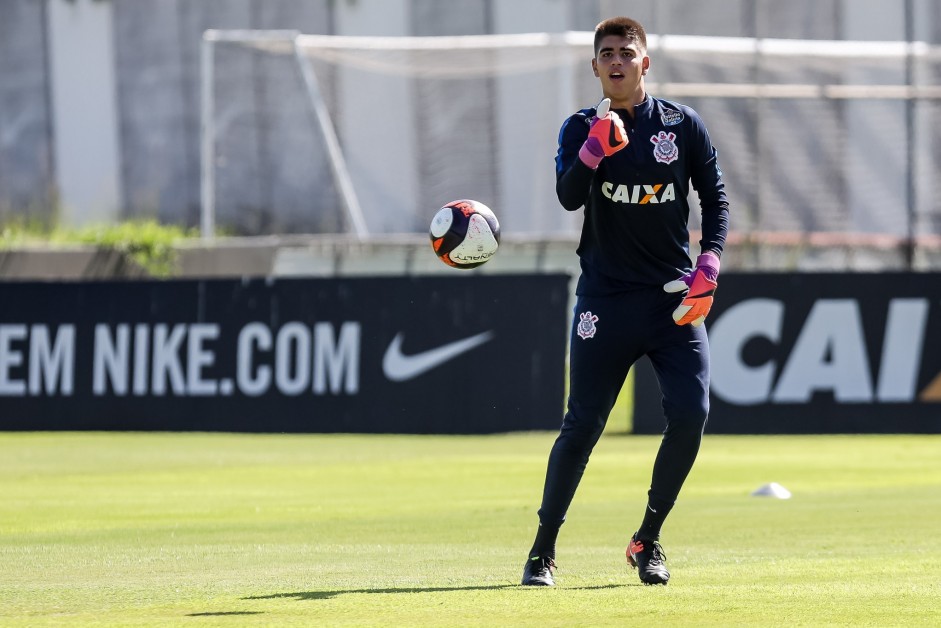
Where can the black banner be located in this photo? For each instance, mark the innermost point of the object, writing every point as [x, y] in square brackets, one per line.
[818, 353]
[469, 354]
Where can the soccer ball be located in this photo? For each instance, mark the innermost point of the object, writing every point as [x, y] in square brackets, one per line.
[465, 234]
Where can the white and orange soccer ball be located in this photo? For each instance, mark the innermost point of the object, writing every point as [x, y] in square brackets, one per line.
[465, 234]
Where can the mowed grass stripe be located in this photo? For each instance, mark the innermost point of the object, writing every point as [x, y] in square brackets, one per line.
[229, 529]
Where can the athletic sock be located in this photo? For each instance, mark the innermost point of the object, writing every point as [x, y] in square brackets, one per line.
[654, 516]
[544, 545]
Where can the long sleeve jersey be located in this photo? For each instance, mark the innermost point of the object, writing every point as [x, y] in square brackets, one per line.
[635, 229]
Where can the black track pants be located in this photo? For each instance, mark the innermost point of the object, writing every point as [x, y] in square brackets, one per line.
[608, 335]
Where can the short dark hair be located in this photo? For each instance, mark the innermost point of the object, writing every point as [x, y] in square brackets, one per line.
[621, 27]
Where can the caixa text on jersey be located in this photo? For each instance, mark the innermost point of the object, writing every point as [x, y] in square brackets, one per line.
[639, 194]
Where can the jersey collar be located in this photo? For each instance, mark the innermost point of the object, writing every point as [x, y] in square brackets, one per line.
[644, 108]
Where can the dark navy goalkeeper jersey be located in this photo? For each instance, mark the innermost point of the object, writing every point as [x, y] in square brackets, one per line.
[635, 230]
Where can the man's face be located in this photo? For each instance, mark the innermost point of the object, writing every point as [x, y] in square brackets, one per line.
[620, 65]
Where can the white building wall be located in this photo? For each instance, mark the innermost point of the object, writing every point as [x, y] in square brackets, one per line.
[82, 77]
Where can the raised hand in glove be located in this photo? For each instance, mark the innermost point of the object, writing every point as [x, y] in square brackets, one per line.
[700, 285]
[606, 136]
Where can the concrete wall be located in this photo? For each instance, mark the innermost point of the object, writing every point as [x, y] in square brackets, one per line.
[329, 256]
[27, 173]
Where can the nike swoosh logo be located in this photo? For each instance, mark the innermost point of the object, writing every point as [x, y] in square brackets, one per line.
[612, 138]
[399, 367]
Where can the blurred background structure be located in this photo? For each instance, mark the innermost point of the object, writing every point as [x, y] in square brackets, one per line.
[277, 122]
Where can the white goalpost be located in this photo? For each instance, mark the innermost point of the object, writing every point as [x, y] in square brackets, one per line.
[207, 141]
[371, 135]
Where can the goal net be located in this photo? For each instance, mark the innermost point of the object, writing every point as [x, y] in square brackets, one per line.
[335, 134]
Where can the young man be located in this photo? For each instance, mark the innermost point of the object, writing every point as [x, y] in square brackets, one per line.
[631, 168]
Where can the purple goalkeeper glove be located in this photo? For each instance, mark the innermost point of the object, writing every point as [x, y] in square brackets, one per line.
[606, 136]
[700, 285]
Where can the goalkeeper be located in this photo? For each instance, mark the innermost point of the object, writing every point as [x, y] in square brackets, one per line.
[631, 168]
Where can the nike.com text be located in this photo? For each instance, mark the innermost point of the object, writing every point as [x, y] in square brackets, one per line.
[177, 359]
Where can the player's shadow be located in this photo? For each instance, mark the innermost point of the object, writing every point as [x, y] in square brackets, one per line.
[326, 595]
[224, 613]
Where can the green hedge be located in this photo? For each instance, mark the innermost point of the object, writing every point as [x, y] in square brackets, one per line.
[147, 242]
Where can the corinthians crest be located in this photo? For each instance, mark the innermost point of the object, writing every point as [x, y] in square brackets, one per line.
[665, 150]
[586, 325]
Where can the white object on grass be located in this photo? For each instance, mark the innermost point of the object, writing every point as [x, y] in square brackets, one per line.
[772, 489]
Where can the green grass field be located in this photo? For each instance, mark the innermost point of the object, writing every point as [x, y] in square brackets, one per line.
[233, 530]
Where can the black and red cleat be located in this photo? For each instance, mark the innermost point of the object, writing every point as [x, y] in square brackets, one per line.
[649, 559]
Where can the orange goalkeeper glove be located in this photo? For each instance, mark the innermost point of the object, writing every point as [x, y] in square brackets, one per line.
[700, 285]
[606, 136]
